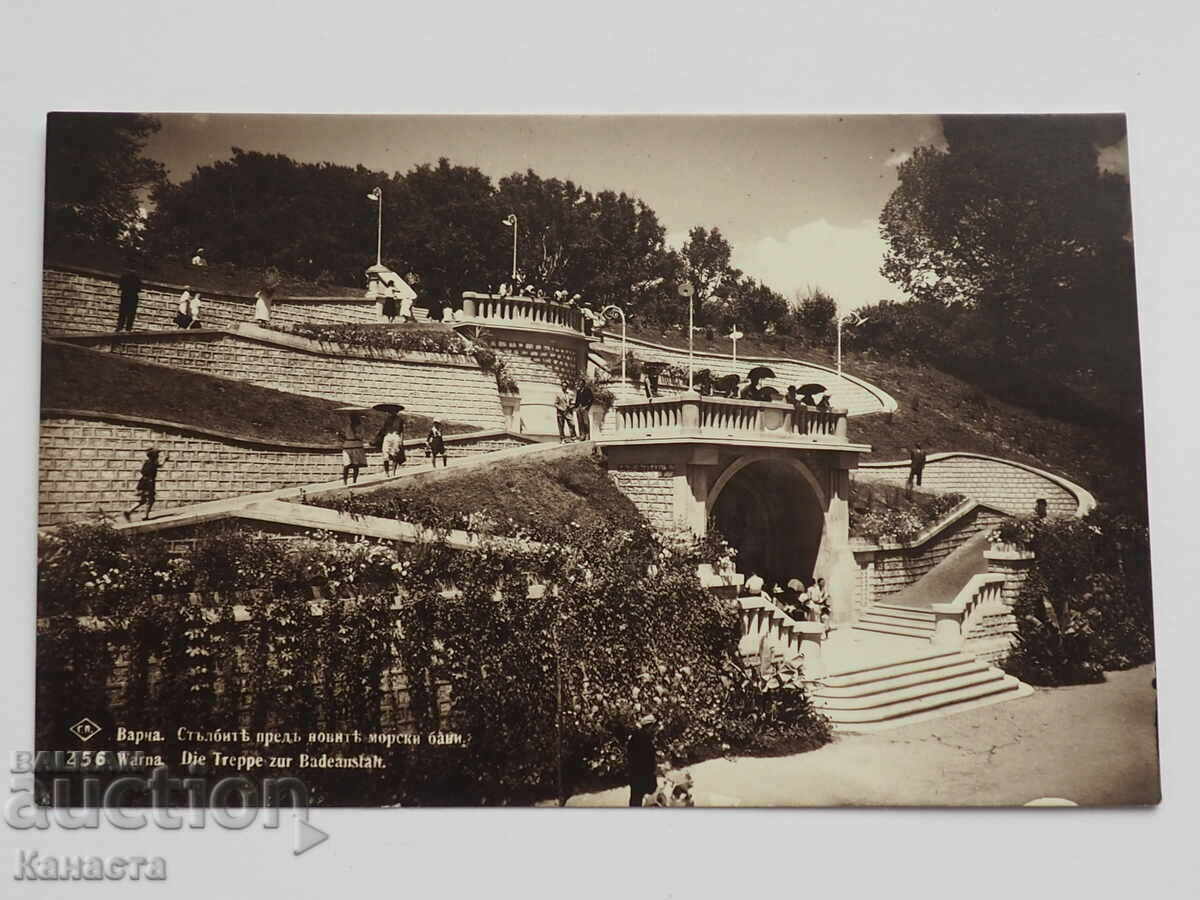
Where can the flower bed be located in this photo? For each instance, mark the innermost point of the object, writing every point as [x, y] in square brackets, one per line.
[881, 512]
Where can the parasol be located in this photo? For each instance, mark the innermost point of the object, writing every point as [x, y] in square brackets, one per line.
[760, 372]
[388, 407]
[807, 392]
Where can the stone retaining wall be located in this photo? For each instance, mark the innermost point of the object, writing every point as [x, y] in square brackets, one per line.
[1010, 486]
[81, 301]
[890, 568]
[651, 488]
[89, 466]
[451, 388]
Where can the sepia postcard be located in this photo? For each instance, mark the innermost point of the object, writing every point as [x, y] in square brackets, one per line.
[597, 461]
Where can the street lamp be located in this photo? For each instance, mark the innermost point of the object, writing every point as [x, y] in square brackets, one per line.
[688, 292]
[621, 313]
[854, 319]
[735, 336]
[377, 196]
[511, 219]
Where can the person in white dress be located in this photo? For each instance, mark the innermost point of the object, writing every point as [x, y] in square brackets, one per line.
[262, 305]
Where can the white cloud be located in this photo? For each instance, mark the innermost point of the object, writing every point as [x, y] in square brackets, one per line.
[842, 261]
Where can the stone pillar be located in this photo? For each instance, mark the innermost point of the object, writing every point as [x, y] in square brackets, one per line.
[835, 561]
[1014, 565]
[511, 406]
[693, 479]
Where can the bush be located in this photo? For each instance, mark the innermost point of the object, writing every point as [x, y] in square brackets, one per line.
[890, 513]
[1086, 605]
[622, 628]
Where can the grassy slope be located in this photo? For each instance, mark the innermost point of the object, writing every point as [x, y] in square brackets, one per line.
[78, 378]
[944, 412]
[559, 494]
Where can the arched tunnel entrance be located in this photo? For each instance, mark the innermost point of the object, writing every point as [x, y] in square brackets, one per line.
[773, 516]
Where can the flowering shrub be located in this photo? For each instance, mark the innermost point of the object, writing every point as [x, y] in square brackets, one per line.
[887, 513]
[1085, 607]
[620, 627]
[1019, 530]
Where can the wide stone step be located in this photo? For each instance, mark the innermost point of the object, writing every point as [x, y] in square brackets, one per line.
[907, 612]
[878, 686]
[942, 701]
[882, 618]
[921, 655]
[882, 701]
[901, 612]
[885, 628]
[883, 673]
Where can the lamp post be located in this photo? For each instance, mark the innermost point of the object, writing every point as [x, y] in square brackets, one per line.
[689, 293]
[854, 319]
[621, 313]
[377, 196]
[735, 336]
[511, 219]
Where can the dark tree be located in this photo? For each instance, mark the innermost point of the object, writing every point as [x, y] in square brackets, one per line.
[816, 315]
[96, 177]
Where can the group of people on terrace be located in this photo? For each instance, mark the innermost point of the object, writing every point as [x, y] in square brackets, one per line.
[591, 319]
[805, 604]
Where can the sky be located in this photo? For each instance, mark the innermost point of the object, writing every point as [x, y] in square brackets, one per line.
[798, 197]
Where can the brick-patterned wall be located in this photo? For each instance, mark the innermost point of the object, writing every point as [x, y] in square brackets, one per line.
[888, 570]
[89, 467]
[74, 303]
[450, 390]
[996, 482]
[847, 394]
[541, 363]
[651, 488]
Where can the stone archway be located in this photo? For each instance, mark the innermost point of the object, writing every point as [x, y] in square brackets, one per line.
[772, 510]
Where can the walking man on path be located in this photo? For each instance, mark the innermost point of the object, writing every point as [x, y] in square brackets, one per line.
[435, 445]
[147, 483]
[129, 286]
[641, 761]
[916, 465]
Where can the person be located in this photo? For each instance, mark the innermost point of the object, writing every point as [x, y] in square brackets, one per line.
[435, 445]
[562, 412]
[406, 307]
[354, 457]
[791, 394]
[753, 392]
[147, 483]
[388, 309]
[818, 602]
[129, 286]
[194, 311]
[198, 259]
[641, 762]
[393, 448]
[583, 408]
[916, 466]
[262, 305]
[1040, 508]
[825, 404]
[183, 316]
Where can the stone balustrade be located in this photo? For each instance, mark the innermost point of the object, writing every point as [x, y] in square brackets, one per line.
[766, 627]
[953, 620]
[689, 415]
[492, 309]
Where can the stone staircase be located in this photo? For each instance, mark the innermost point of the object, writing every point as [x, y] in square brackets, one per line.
[921, 684]
[901, 621]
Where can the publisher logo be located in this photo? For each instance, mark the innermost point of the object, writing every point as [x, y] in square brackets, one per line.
[85, 729]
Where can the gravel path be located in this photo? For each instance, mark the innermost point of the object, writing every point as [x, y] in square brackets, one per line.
[1093, 744]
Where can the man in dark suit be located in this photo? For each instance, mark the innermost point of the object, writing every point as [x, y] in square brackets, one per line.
[129, 286]
[641, 761]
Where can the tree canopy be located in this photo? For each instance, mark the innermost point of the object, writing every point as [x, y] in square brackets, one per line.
[96, 177]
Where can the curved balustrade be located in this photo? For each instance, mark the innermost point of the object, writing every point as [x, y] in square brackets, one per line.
[953, 621]
[495, 310]
[719, 417]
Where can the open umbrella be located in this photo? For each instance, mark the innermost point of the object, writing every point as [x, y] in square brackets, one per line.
[807, 393]
[760, 372]
[388, 407]
[769, 394]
